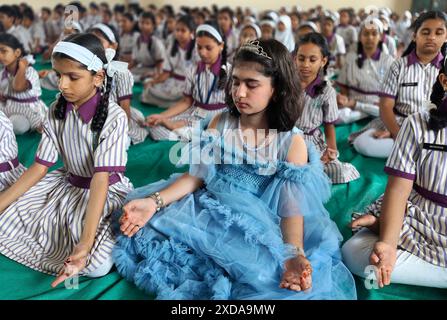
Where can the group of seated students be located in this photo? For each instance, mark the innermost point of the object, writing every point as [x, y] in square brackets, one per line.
[264, 93]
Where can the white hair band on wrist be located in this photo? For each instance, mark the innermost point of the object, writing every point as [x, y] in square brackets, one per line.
[106, 30]
[211, 30]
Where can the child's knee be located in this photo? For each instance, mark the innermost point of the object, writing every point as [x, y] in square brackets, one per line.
[21, 124]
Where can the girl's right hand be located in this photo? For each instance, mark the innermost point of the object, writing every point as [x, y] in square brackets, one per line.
[136, 214]
[382, 134]
[154, 120]
[342, 100]
[43, 73]
[383, 257]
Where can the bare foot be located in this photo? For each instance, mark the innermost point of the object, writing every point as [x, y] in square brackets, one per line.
[297, 274]
[368, 221]
[136, 214]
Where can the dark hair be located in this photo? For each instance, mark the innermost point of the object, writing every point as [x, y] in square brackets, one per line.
[188, 21]
[360, 61]
[430, 15]
[9, 11]
[11, 41]
[46, 9]
[129, 16]
[223, 72]
[319, 40]
[115, 33]
[229, 11]
[285, 106]
[438, 117]
[28, 13]
[92, 43]
[93, 6]
[150, 16]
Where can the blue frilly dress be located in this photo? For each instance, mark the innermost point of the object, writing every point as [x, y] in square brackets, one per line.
[224, 240]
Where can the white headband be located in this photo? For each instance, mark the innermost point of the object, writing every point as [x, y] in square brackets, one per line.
[211, 30]
[271, 23]
[89, 59]
[255, 27]
[106, 30]
[372, 22]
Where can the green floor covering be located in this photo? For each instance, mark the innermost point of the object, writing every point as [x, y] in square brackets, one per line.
[148, 162]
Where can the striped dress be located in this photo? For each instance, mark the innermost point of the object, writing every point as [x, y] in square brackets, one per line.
[167, 93]
[41, 228]
[122, 86]
[424, 229]
[349, 35]
[10, 168]
[364, 83]
[145, 60]
[409, 83]
[128, 41]
[318, 110]
[208, 100]
[26, 103]
[232, 43]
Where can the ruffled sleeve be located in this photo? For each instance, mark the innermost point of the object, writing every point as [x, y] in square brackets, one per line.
[299, 190]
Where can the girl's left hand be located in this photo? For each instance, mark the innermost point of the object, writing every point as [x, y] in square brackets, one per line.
[297, 274]
[74, 264]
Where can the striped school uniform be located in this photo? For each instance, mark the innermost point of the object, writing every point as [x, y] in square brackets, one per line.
[145, 60]
[349, 35]
[122, 85]
[10, 167]
[41, 228]
[409, 83]
[208, 100]
[318, 110]
[167, 93]
[26, 103]
[424, 229]
[232, 43]
[128, 41]
[364, 83]
[337, 48]
[390, 44]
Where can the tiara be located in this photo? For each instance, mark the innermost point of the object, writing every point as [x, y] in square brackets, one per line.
[253, 46]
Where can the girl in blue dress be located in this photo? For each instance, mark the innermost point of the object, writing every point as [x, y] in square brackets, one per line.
[247, 221]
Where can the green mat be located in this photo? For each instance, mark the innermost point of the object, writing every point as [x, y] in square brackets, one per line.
[148, 162]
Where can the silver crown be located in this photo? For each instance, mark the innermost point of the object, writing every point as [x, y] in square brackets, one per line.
[253, 46]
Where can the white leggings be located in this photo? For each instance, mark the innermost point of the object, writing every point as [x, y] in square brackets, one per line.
[369, 146]
[20, 124]
[409, 269]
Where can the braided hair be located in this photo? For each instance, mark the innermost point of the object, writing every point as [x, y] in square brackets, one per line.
[223, 72]
[188, 22]
[438, 116]
[92, 43]
[430, 15]
[319, 40]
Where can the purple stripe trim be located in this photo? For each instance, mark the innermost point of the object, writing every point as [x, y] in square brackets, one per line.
[400, 174]
[438, 198]
[178, 77]
[311, 132]
[110, 169]
[216, 106]
[84, 182]
[386, 95]
[44, 163]
[27, 100]
[6, 166]
[369, 93]
[125, 98]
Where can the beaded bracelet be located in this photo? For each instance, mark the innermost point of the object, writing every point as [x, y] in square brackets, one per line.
[158, 200]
